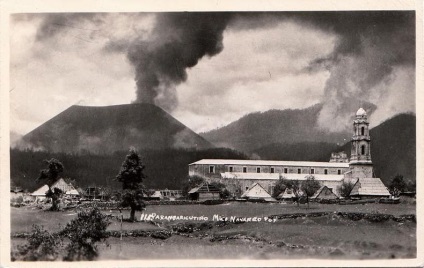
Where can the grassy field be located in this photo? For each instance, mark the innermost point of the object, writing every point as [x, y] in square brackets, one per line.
[23, 218]
[323, 237]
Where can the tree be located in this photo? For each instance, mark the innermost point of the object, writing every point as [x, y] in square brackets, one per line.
[55, 195]
[131, 176]
[411, 186]
[233, 187]
[397, 185]
[51, 175]
[280, 186]
[309, 187]
[294, 185]
[191, 182]
[345, 188]
[83, 233]
[41, 246]
[225, 193]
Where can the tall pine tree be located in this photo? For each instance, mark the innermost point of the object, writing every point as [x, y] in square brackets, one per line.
[51, 175]
[131, 176]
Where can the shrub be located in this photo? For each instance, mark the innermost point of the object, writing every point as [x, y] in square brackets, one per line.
[84, 232]
[41, 246]
[213, 202]
[18, 200]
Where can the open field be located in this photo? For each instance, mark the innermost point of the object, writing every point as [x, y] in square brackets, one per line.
[328, 236]
[23, 218]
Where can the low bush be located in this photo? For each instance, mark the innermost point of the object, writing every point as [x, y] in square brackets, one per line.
[213, 202]
[41, 246]
[80, 236]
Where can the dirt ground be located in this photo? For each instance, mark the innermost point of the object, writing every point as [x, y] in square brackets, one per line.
[328, 236]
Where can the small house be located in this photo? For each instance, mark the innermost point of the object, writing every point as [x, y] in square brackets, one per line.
[157, 195]
[72, 194]
[205, 192]
[92, 193]
[171, 194]
[324, 193]
[257, 192]
[40, 193]
[288, 194]
[369, 188]
[62, 185]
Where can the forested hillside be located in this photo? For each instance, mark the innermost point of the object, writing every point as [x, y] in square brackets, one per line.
[256, 130]
[393, 148]
[164, 168]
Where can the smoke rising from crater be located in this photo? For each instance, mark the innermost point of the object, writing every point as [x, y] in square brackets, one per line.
[369, 48]
[372, 48]
[178, 41]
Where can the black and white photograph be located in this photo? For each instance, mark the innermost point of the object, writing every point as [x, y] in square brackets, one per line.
[182, 135]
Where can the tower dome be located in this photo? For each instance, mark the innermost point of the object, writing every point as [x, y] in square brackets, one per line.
[361, 112]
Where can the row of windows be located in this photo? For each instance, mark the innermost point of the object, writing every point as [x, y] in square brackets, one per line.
[272, 187]
[272, 170]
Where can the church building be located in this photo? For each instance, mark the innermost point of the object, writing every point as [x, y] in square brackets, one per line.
[240, 175]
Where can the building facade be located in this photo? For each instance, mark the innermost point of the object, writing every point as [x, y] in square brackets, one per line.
[239, 175]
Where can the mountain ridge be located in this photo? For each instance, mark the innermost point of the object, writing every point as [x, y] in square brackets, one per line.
[108, 129]
[256, 130]
[105, 129]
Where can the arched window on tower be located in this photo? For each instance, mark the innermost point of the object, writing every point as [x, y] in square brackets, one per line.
[362, 131]
[363, 149]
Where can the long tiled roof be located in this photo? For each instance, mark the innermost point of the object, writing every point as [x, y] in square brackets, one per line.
[268, 163]
[276, 176]
[205, 188]
[41, 191]
[369, 186]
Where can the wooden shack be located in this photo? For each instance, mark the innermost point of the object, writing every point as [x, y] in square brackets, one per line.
[324, 193]
[205, 192]
[366, 188]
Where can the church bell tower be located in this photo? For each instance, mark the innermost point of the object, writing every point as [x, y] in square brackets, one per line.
[360, 160]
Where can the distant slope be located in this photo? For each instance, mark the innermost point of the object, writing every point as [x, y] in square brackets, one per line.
[164, 168]
[304, 151]
[112, 128]
[257, 130]
[393, 148]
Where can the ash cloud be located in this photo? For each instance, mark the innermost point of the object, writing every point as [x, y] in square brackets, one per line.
[370, 47]
[178, 42]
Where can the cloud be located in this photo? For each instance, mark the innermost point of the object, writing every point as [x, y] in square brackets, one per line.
[209, 68]
[242, 83]
[396, 94]
[49, 75]
[370, 46]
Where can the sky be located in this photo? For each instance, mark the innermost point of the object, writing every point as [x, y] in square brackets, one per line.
[209, 69]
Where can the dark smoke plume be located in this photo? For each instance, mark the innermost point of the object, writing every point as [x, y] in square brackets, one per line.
[178, 42]
[370, 47]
